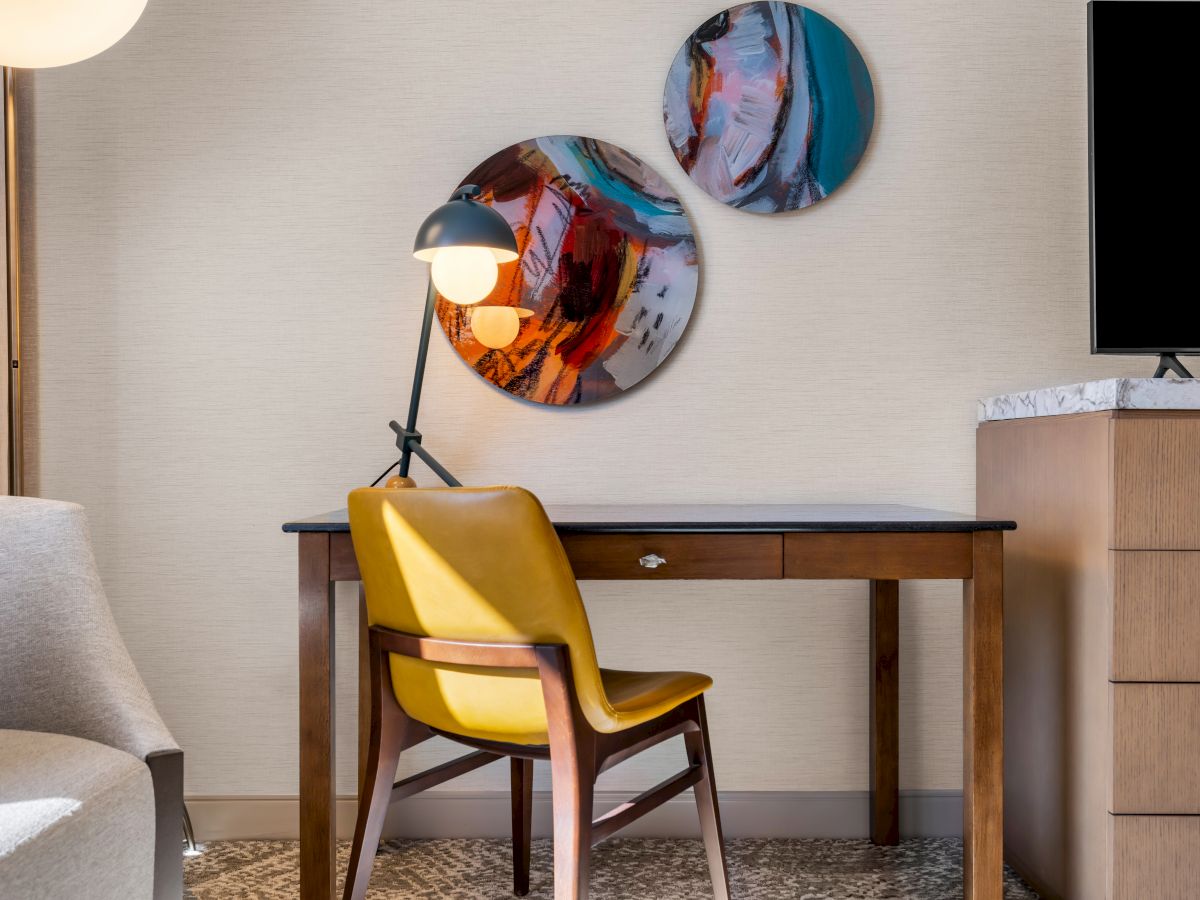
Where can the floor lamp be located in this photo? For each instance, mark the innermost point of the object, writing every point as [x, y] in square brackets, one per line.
[41, 34]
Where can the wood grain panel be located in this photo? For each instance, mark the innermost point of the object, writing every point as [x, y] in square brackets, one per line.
[885, 556]
[1155, 615]
[1154, 857]
[605, 557]
[1155, 748]
[1052, 476]
[1156, 482]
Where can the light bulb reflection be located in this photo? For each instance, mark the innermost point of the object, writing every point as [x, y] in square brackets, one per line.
[497, 326]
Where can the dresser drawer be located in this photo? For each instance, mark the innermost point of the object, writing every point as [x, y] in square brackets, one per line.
[637, 556]
[1154, 856]
[1155, 615]
[1155, 748]
[1156, 483]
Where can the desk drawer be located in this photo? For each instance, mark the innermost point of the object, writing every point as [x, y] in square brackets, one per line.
[625, 556]
[1156, 749]
[1155, 615]
[1156, 483]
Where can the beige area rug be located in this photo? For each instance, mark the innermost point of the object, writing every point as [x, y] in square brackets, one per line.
[632, 869]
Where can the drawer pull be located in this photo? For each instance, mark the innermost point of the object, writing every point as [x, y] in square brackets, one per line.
[651, 561]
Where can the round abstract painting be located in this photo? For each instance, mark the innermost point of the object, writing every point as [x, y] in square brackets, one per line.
[769, 106]
[607, 266]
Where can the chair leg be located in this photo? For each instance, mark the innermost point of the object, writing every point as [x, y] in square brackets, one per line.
[573, 784]
[166, 774]
[699, 752]
[573, 775]
[522, 822]
[190, 847]
[389, 728]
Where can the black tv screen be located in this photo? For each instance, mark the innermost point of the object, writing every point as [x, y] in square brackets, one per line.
[1144, 68]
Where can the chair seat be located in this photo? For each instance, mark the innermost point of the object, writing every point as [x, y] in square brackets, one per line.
[76, 819]
[444, 700]
[638, 697]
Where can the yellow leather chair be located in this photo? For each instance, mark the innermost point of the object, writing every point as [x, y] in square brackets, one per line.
[478, 634]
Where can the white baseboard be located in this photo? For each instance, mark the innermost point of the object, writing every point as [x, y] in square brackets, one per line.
[444, 814]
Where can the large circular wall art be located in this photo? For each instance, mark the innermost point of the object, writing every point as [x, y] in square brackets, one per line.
[769, 106]
[608, 267]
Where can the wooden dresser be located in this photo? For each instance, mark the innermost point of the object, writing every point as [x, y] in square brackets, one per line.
[1102, 648]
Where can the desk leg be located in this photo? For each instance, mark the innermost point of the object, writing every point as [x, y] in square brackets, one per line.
[318, 867]
[983, 721]
[364, 687]
[885, 712]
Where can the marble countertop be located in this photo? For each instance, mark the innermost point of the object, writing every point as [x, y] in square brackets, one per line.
[1094, 396]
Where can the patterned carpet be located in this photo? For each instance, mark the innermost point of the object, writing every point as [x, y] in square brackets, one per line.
[621, 870]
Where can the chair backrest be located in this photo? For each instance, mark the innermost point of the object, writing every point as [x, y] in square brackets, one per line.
[63, 666]
[473, 564]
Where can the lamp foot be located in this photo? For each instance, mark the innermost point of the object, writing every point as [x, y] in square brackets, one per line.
[400, 481]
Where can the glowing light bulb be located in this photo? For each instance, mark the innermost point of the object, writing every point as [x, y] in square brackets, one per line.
[464, 275]
[38, 34]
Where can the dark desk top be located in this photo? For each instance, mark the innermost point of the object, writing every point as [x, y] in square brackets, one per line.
[669, 518]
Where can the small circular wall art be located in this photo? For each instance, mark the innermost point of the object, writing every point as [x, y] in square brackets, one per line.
[608, 267]
[769, 106]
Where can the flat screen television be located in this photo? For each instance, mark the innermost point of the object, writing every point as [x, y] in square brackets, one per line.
[1143, 81]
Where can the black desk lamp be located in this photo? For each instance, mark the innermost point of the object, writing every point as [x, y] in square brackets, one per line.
[464, 241]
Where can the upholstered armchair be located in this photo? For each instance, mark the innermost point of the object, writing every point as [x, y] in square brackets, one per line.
[91, 781]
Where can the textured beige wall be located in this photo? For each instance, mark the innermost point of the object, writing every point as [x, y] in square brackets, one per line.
[227, 316]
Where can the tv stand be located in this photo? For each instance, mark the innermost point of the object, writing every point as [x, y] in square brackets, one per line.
[1169, 362]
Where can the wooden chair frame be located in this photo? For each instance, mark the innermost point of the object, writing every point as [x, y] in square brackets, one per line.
[577, 753]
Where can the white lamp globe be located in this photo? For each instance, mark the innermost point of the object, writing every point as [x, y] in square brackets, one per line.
[464, 275]
[40, 34]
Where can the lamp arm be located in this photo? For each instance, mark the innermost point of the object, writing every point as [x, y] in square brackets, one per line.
[408, 439]
[437, 468]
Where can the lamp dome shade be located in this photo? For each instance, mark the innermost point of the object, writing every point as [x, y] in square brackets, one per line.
[40, 34]
[464, 222]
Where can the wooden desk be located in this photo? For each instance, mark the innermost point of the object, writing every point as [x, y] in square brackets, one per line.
[879, 543]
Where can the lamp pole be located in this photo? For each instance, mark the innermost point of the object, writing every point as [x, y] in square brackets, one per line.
[41, 35]
[12, 230]
[408, 439]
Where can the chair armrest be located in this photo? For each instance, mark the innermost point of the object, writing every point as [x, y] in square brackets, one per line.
[63, 664]
[88, 689]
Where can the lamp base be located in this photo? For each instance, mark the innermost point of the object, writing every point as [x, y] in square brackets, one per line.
[400, 481]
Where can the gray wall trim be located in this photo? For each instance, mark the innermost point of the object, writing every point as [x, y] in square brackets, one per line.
[440, 814]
